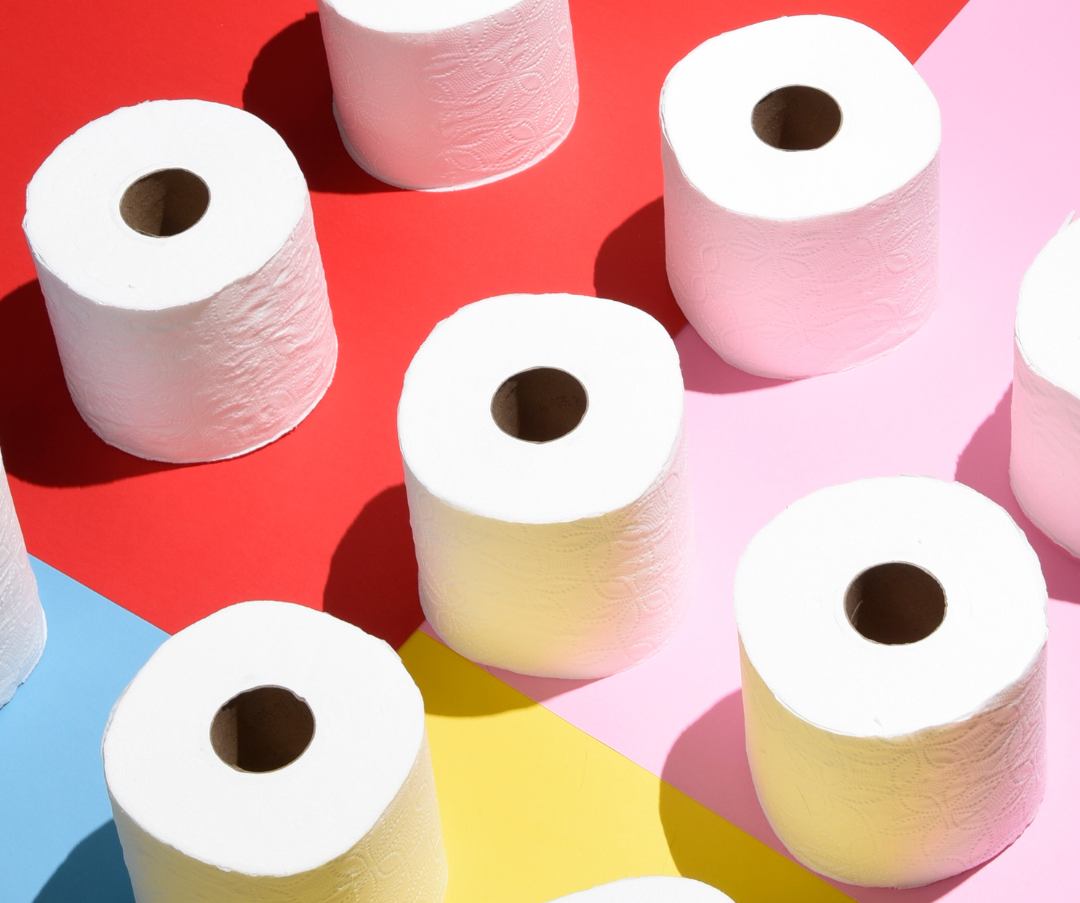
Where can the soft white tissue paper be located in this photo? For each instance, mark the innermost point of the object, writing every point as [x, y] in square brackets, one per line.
[194, 346]
[353, 817]
[894, 765]
[792, 263]
[22, 620]
[1044, 466]
[443, 94]
[652, 889]
[566, 558]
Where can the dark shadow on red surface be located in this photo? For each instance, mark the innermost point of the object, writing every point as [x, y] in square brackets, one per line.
[43, 438]
[705, 371]
[708, 763]
[630, 267]
[289, 88]
[93, 872]
[984, 465]
[372, 581]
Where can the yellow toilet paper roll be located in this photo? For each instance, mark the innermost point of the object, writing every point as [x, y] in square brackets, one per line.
[546, 467]
[893, 637]
[272, 752]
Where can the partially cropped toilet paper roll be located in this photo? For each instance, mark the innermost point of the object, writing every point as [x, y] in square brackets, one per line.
[443, 94]
[22, 621]
[272, 752]
[893, 636]
[652, 889]
[1044, 465]
[801, 195]
[176, 251]
[545, 463]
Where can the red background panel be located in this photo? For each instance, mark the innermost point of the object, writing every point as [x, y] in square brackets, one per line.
[320, 517]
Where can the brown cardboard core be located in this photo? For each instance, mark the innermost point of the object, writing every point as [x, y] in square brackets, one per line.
[895, 603]
[539, 405]
[166, 202]
[796, 118]
[262, 729]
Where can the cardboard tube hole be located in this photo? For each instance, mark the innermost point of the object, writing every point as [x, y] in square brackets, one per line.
[262, 729]
[166, 202]
[895, 603]
[539, 405]
[796, 118]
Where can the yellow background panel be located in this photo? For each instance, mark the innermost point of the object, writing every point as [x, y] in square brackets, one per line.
[534, 808]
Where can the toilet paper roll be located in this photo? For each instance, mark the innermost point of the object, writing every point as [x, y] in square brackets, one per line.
[22, 620]
[1044, 466]
[651, 889]
[272, 752]
[176, 251]
[546, 470]
[801, 195]
[893, 636]
[442, 94]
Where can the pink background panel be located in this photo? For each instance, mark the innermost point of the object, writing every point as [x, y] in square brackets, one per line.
[1004, 73]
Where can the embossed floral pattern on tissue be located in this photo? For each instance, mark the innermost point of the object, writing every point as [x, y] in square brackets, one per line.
[457, 106]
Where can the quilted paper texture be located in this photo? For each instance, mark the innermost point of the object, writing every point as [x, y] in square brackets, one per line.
[796, 298]
[208, 380]
[401, 860]
[22, 621]
[1043, 466]
[900, 811]
[459, 106]
[582, 599]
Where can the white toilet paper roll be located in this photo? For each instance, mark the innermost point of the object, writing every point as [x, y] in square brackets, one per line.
[801, 195]
[546, 470]
[651, 889]
[272, 752]
[893, 636]
[176, 251]
[1044, 465]
[22, 620]
[443, 94]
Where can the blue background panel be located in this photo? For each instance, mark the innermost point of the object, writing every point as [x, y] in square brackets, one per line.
[57, 839]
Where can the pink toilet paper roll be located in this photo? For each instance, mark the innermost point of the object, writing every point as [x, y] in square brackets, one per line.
[1044, 465]
[801, 195]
